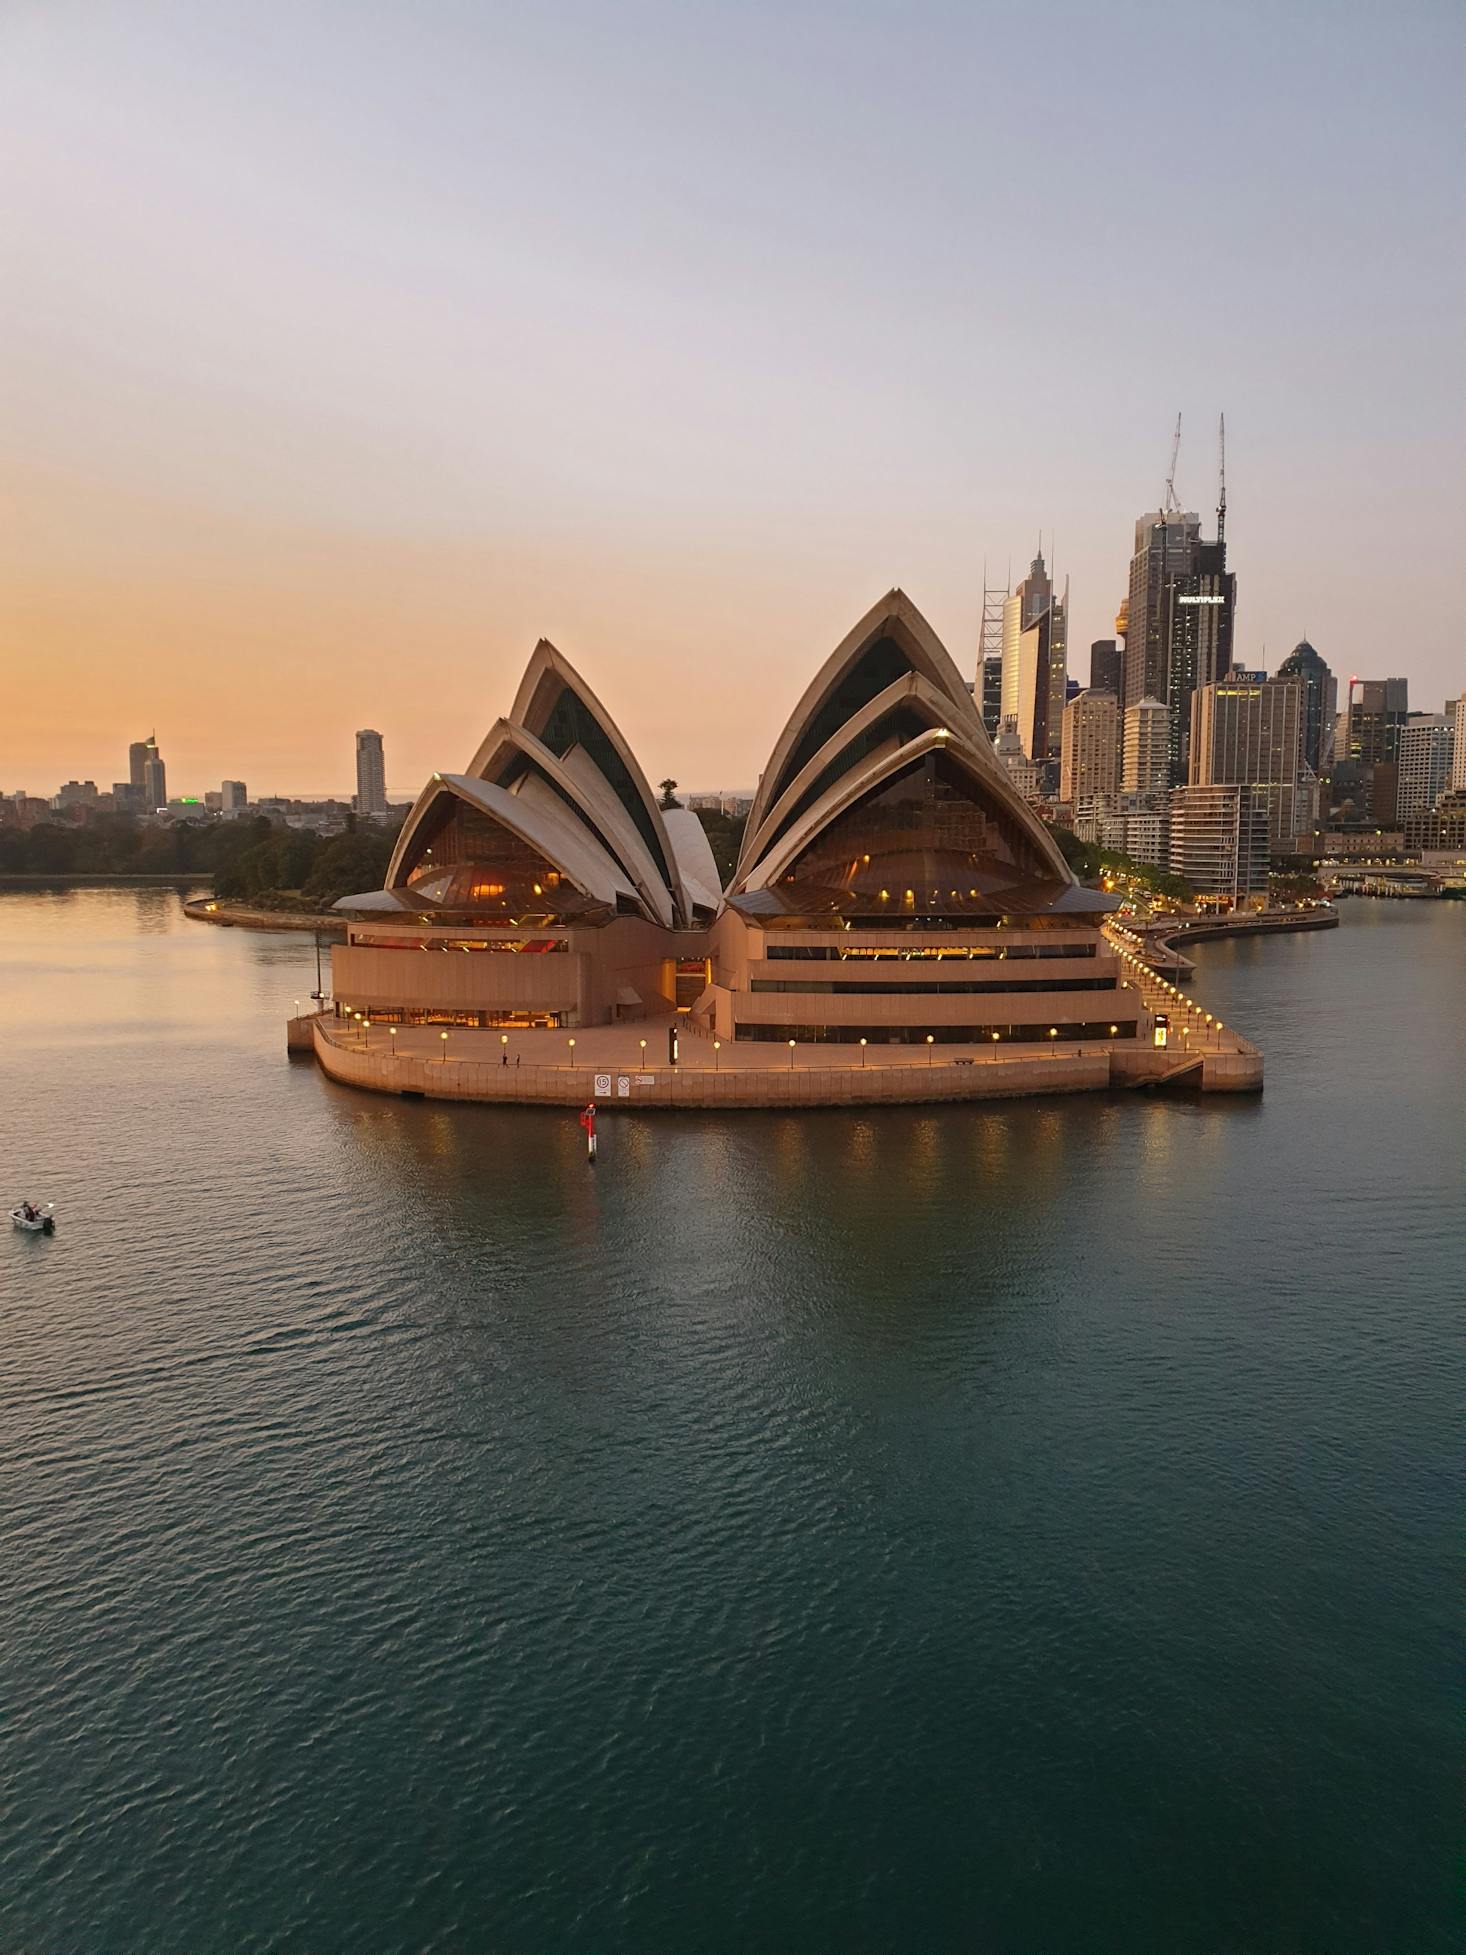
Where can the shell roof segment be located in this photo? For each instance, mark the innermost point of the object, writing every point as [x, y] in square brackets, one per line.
[886, 757]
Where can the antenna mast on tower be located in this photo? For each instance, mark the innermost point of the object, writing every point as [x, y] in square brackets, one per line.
[1221, 478]
[1172, 507]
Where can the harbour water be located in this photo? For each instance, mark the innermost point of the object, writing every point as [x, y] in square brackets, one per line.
[1022, 1527]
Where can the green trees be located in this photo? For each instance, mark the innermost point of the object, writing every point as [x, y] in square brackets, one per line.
[725, 836]
[293, 868]
[1090, 863]
[252, 860]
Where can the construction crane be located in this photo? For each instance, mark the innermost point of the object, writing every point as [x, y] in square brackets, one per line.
[1221, 478]
[1172, 507]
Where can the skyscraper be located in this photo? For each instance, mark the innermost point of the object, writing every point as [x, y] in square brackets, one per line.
[1371, 723]
[371, 774]
[1107, 667]
[1219, 843]
[1180, 619]
[1320, 702]
[1147, 761]
[233, 796]
[1089, 760]
[990, 702]
[149, 777]
[1456, 708]
[1035, 662]
[1248, 730]
[1427, 742]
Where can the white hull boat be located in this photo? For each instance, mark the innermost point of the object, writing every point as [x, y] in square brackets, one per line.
[35, 1221]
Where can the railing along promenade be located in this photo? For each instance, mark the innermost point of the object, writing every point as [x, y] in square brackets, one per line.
[382, 1062]
[1192, 1030]
[479, 1064]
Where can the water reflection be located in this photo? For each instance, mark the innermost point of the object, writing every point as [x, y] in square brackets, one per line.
[722, 1545]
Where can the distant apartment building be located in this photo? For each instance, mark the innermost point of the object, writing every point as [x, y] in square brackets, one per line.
[1219, 843]
[1457, 710]
[1089, 748]
[1320, 703]
[1247, 729]
[75, 794]
[1025, 774]
[1373, 716]
[1137, 825]
[233, 796]
[1362, 844]
[1146, 758]
[1427, 745]
[371, 774]
[1035, 663]
[1107, 667]
[22, 810]
[1442, 828]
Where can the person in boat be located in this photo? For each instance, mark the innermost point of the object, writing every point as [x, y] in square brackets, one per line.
[30, 1213]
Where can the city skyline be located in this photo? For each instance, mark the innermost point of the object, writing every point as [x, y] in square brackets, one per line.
[327, 406]
[402, 797]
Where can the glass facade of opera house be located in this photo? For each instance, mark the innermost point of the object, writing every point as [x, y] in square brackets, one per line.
[891, 888]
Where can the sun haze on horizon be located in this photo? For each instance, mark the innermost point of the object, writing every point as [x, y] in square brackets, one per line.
[349, 349]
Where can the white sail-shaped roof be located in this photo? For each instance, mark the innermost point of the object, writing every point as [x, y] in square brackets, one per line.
[886, 759]
[557, 778]
[557, 707]
[535, 818]
[892, 641]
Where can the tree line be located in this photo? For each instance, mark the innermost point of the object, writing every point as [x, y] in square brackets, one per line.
[253, 859]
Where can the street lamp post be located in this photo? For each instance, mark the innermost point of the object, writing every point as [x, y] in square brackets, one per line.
[444, 1058]
[930, 1047]
[571, 1044]
[863, 1043]
[642, 1043]
[791, 1055]
[717, 1048]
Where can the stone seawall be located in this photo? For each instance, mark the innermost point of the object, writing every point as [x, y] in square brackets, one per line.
[1281, 924]
[698, 1085]
[230, 916]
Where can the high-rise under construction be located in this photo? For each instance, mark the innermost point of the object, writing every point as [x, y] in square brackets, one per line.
[1181, 613]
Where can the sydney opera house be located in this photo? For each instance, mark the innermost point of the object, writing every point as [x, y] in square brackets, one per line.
[892, 890]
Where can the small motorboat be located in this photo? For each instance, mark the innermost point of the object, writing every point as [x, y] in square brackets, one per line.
[34, 1220]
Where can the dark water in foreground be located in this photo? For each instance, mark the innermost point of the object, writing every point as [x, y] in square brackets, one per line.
[1029, 1529]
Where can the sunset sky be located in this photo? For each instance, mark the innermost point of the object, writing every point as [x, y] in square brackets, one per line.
[350, 347]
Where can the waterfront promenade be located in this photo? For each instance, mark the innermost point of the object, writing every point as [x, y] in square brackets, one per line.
[628, 1063]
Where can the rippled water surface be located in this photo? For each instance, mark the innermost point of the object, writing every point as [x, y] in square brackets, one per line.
[1026, 1529]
